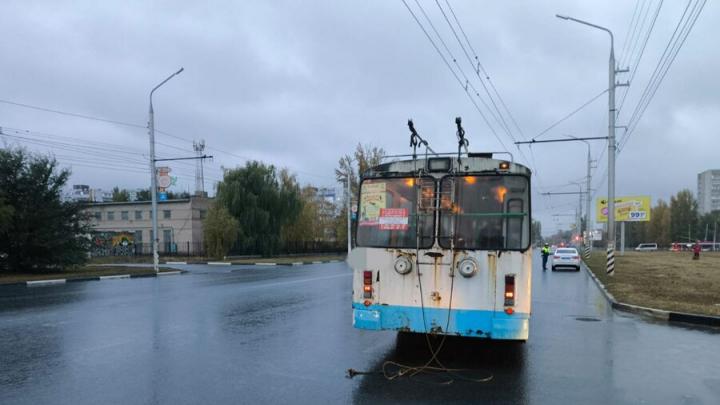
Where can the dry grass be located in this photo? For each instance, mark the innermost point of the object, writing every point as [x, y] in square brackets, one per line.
[664, 280]
[9, 278]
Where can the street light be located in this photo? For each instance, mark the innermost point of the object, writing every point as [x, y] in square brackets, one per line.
[153, 179]
[588, 178]
[611, 142]
[579, 209]
[348, 198]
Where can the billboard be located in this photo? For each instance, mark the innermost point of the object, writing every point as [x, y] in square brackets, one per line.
[627, 209]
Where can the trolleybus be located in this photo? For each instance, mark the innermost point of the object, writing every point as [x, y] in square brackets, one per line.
[443, 247]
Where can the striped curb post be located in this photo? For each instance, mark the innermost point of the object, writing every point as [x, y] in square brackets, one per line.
[587, 251]
[611, 259]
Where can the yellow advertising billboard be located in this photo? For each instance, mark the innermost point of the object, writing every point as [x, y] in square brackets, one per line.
[627, 209]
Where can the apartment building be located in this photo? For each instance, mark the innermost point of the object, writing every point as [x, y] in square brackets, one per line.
[708, 191]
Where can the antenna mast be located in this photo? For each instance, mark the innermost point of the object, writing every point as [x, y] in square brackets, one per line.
[199, 147]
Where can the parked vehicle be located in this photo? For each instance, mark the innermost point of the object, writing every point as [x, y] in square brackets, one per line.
[646, 247]
[566, 257]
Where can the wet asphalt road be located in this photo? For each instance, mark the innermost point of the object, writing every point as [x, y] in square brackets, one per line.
[246, 334]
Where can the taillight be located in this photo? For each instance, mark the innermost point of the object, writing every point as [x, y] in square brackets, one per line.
[367, 284]
[556, 257]
[509, 291]
[576, 257]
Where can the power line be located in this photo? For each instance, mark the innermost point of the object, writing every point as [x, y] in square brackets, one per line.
[671, 51]
[642, 52]
[503, 123]
[630, 29]
[133, 125]
[462, 72]
[575, 111]
[457, 78]
[635, 36]
[481, 68]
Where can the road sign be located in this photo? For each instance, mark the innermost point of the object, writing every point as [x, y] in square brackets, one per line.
[163, 178]
[627, 209]
[163, 196]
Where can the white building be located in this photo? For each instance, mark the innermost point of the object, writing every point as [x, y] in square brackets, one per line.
[708, 191]
[125, 228]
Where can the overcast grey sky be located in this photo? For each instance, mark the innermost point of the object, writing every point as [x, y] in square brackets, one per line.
[299, 83]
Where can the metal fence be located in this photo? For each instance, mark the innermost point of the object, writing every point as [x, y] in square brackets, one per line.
[189, 249]
[145, 249]
[291, 248]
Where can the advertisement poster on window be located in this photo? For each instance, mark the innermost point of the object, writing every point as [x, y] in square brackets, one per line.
[393, 219]
[372, 200]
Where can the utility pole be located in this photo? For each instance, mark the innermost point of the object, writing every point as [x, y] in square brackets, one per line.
[611, 141]
[578, 211]
[199, 147]
[588, 180]
[153, 174]
[588, 202]
[349, 218]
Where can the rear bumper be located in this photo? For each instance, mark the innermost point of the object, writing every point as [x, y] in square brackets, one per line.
[462, 322]
[566, 264]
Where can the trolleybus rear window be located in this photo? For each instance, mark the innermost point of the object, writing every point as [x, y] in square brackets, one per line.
[390, 212]
[488, 213]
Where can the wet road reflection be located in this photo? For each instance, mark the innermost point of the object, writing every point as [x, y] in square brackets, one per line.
[279, 335]
[465, 370]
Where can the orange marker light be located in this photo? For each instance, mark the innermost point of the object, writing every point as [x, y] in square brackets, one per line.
[470, 179]
[410, 182]
[500, 192]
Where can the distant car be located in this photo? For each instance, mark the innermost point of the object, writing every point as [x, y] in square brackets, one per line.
[646, 247]
[566, 257]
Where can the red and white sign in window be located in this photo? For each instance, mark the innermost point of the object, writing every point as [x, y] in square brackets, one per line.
[393, 219]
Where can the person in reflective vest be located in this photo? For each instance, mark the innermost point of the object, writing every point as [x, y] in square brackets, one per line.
[545, 253]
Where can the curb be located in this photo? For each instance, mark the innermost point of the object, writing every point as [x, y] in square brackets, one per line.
[57, 281]
[256, 263]
[668, 316]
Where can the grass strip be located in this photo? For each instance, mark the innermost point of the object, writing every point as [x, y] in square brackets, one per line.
[670, 281]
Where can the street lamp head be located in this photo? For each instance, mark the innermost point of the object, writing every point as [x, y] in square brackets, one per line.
[563, 17]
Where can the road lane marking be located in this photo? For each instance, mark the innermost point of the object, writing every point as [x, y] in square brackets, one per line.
[114, 277]
[45, 282]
